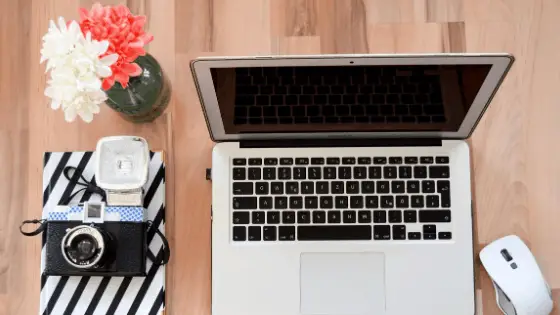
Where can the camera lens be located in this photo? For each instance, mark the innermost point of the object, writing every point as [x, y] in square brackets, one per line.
[84, 246]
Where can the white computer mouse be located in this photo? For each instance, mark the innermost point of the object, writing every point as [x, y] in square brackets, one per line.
[519, 283]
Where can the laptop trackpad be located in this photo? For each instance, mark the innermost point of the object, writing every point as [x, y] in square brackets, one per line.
[342, 283]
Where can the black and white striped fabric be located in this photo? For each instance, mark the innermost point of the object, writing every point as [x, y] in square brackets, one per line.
[103, 295]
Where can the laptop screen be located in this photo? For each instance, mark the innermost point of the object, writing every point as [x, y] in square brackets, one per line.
[346, 98]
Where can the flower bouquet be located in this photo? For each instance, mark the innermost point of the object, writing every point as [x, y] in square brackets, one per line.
[101, 58]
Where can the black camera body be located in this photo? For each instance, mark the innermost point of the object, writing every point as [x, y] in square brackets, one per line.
[125, 249]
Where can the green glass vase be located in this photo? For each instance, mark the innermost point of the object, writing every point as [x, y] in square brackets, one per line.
[146, 97]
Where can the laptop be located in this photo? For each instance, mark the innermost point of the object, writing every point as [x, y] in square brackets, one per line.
[341, 184]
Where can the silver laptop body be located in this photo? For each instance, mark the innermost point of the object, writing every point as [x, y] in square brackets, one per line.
[341, 183]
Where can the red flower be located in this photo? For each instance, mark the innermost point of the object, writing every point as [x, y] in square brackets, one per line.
[126, 36]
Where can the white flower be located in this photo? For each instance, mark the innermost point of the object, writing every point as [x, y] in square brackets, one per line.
[76, 70]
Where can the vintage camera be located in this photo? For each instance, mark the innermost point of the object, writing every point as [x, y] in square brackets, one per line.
[98, 238]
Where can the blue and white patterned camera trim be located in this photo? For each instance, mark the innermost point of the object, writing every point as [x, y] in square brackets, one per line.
[121, 214]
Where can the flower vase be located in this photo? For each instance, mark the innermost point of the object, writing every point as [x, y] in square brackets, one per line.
[146, 97]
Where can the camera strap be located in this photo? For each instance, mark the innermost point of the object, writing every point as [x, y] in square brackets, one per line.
[88, 187]
[37, 231]
[166, 251]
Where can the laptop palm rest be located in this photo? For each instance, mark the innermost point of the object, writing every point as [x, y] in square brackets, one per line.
[342, 283]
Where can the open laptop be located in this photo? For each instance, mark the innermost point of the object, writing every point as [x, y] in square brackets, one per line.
[341, 183]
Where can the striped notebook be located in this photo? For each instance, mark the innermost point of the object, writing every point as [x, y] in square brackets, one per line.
[103, 295]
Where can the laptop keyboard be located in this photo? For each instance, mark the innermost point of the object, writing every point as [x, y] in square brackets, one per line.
[348, 198]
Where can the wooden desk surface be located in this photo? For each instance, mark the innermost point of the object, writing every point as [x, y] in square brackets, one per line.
[515, 151]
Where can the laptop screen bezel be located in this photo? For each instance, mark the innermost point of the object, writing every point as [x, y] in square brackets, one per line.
[500, 64]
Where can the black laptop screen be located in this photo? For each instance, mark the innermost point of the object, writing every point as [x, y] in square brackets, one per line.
[346, 98]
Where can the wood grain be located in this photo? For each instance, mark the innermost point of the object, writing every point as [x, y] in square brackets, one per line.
[515, 151]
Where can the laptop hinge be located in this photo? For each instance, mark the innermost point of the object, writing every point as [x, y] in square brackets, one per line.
[329, 143]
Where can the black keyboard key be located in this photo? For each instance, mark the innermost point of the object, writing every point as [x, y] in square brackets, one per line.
[240, 217]
[397, 187]
[265, 202]
[414, 235]
[242, 203]
[269, 233]
[372, 202]
[254, 233]
[337, 187]
[271, 161]
[429, 228]
[379, 216]
[239, 233]
[269, 173]
[364, 216]
[329, 172]
[311, 202]
[417, 201]
[428, 186]
[322, 188]
[317, 161]
[399, 232]
[348, 160]
[368, 187]
[420, 172]
[280, 202]
[333, 216]
[395, 160]
[360, 172]
[284, 173]
[442, 160]
[374, 172]
[389, 172]
[334, 232]
[273, 217]
[319, 217]
[382, 232]
[432, 201]
[255, 161]
[426, 160]
[239, 161]
[409, 216]
[443, 186]
[243, 188]
[341, 202]
[326, 202]
[292, 188]
[296, 203]
[300, 173]
[302, 161]
[239, 173]
[405, 172]
[261, 188]
[364, 160]
[444, 235]
[349, 216]
[439, 171]
[395, 216]
[356, 202]
[304, 217]
[382, 187]
[387, 202]
[307, 188]
[286, 161]
[379, 160]
[254, 173]
[430, 236]
[288, 217]
[410, 160]
[434, 216]
[314, 173]
[352, 187]
[412, 186]
[258, 217]
[333, 161]
[287, 233]
[401, 201]
[344, 172]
